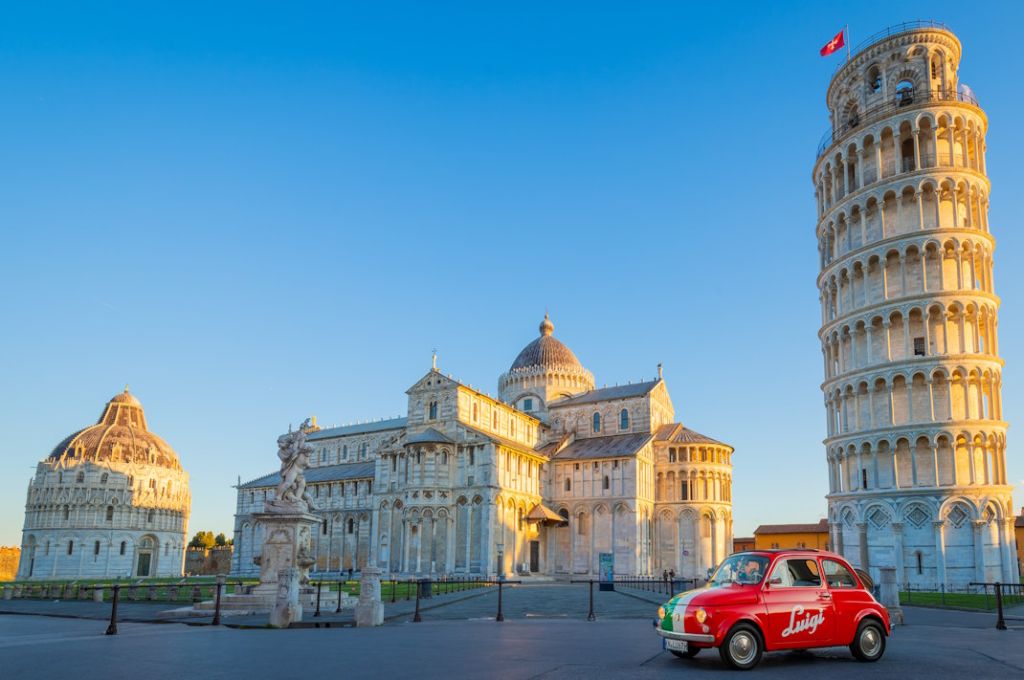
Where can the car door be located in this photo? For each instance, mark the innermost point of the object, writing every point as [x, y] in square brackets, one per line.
[847, 597]
[798, 605]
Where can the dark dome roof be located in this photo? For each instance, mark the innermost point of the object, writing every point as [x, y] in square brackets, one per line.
[546, 351]
[120, 435]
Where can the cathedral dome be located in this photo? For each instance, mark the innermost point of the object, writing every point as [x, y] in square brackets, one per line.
[120, 435]
[546, 352]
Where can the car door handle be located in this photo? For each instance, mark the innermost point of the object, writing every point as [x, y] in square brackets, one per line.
[824, 596]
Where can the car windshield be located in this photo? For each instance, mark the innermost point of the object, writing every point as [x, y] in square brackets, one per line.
[742, 568]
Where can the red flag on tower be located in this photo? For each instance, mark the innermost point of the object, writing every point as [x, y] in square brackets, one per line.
[834, 44]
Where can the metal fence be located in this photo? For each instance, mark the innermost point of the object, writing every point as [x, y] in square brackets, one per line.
[665, 586]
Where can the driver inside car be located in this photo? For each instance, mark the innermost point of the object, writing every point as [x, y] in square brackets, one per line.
[750, 572]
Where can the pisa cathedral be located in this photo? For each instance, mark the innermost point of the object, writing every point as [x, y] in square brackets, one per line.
[111, 500]
[916, 441]
[541, 480]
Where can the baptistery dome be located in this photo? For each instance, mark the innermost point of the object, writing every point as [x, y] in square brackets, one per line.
[545, 370]
[110, 500]
[120, 435]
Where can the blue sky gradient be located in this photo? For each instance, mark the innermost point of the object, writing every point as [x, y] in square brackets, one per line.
[253, 214]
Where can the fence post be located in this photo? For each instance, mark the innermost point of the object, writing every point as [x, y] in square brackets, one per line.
[394, 587]
[501, 616]
[112, 628]
[416, 617]
[1000, 622]
[942, 594]
[590, 615]
[319, 585]
[216, 599]
[339, 598]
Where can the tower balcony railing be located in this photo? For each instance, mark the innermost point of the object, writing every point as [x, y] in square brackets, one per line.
[891, 31]
[900, 100]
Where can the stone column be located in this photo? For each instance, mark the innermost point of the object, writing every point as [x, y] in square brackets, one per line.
[862, 537]
[449, 548]
[940, 552]
[1006, 553]
[978, 527]
[897, 544]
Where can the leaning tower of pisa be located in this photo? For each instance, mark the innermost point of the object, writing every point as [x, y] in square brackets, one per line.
[916, 440]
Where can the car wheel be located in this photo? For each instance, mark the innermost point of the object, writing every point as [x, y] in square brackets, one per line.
[869, 642]
[742, 647]
[688, 654]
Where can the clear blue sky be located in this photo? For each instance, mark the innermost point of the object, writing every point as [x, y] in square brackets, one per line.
[252, 214]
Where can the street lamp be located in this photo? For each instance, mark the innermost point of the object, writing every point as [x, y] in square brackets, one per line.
[501, 561]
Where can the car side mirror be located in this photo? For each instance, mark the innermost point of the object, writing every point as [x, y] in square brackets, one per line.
[777, 581]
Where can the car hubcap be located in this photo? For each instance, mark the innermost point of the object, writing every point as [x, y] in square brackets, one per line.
[742, 647]
[870, 641]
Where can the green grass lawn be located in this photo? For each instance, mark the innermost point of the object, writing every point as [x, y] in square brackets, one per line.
[960, 600]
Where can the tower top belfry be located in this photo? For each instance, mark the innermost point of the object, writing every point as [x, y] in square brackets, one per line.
[909, 317]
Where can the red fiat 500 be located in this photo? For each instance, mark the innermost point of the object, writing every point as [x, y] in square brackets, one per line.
[768, 600]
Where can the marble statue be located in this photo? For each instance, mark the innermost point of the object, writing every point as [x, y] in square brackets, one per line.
[294, 453]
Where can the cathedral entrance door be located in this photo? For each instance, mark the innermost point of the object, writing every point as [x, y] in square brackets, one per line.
[534, 556]
[144, 560]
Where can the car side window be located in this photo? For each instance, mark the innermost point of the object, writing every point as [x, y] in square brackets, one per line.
[798, 572]
[837, 576]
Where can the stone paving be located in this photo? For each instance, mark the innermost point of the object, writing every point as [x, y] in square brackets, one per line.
[545, 635]
[46, 647]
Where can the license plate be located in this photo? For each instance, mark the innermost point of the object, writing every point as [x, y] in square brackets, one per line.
[675, 645]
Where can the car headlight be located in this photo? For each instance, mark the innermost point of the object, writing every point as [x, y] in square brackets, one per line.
[661, 613]
[701, 615]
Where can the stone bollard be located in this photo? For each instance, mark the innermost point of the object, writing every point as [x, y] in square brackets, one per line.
[369, 609]
[889, 594]
[286, 605]
[8, 592]
[17, 591]
[97, 594]
[172, 593]
[151, 593]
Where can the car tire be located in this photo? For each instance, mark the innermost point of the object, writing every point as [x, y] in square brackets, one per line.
[742, 647]
[688, 654]
[869, 642]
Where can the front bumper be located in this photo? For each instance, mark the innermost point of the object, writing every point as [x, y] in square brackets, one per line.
[688, 637]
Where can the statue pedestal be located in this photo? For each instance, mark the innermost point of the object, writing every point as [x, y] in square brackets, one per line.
[287, 543]
[369, 609]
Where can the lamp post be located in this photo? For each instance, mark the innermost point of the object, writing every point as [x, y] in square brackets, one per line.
[501, 560]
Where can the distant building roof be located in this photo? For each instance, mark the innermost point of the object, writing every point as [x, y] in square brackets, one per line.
[358, 428]
[821, 526]
[428, 436]
[327, 473]
[1020, 521]
[677, 434]
[616, 446]
[607, 394]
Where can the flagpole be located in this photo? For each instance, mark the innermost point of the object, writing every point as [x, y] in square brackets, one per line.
[847, 29]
